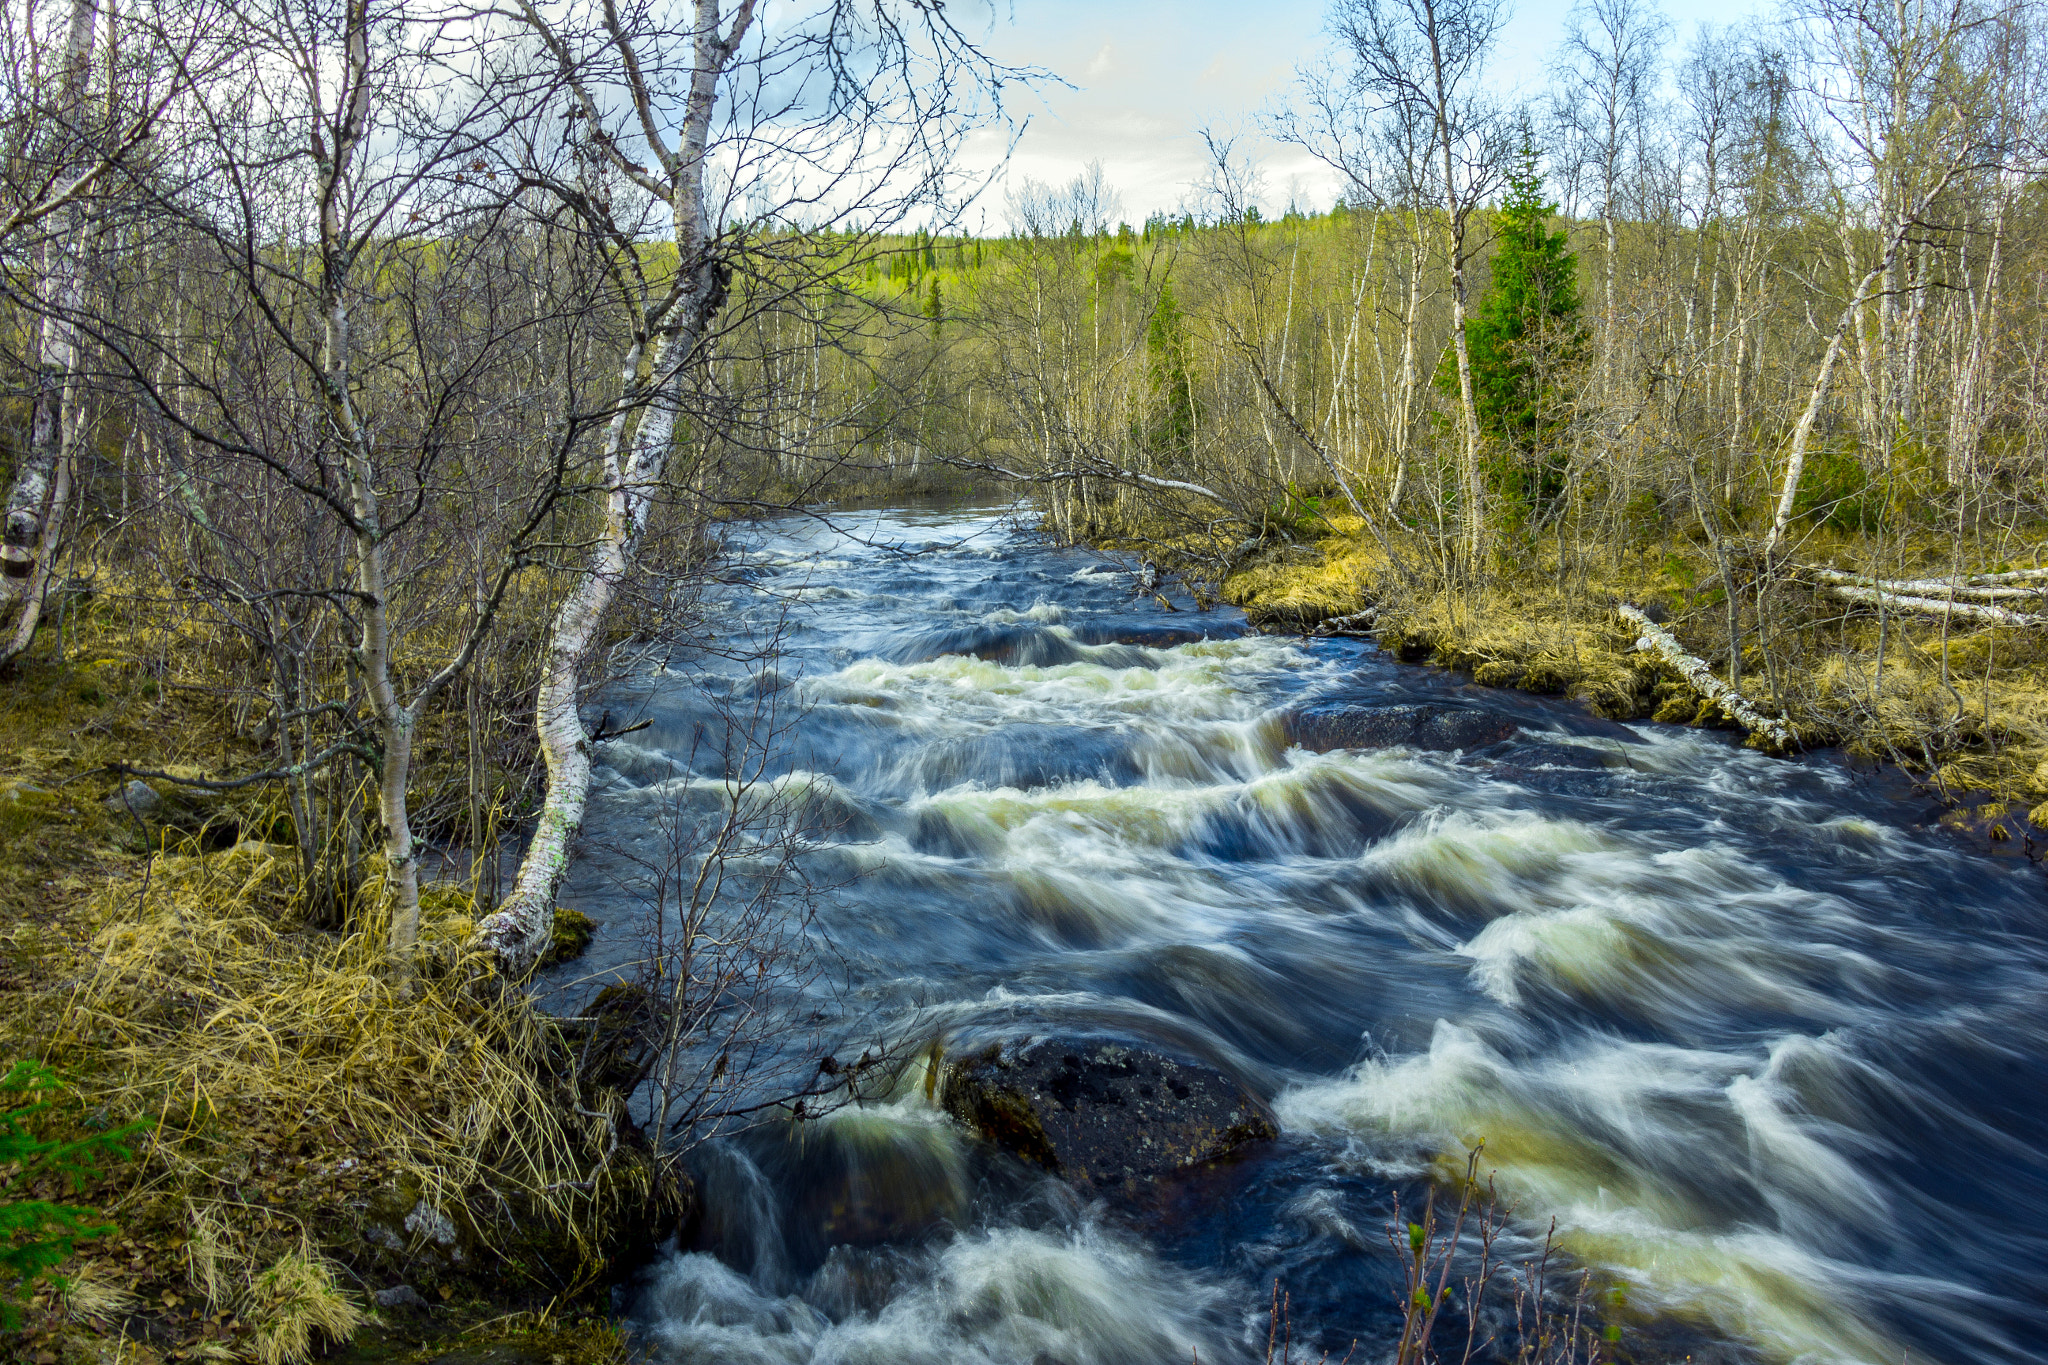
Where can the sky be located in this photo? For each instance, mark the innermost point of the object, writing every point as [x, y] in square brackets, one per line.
[1147, 75]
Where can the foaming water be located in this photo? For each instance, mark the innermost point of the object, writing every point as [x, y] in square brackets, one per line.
[1004, 1296]
[1770, 1054]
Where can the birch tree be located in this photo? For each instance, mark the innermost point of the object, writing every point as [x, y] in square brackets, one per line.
[726, 123]
[1614, 49]
[67, 138]
[1421, 61]
[1382, 156]
[1894, 106]
[320, 361]
[39, 495]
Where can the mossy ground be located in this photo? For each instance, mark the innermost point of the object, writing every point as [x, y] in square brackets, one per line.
[1964, 710]
[304, 1100]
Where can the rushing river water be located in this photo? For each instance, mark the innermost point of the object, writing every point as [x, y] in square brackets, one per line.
[1770, 1054]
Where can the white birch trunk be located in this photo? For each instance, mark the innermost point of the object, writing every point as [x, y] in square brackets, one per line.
[519, 930]
[1930, 606]
[1967, 412]
[1404, 419]
[1468, 408]
[36, 502]
[1653, 638]
[395, 721]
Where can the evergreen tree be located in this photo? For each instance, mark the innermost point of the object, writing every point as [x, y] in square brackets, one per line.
[1173, 425]
[1527, 341]
[36, 1235]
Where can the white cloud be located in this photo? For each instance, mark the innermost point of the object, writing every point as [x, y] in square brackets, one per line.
[1149, 74]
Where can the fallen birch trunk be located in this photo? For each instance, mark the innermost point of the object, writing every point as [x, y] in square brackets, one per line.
[1973, 588]
[2016, 576]
[1661, 642]
[1972, 611]
[1356, 623]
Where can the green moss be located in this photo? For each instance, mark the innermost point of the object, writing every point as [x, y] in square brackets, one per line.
[570, 937]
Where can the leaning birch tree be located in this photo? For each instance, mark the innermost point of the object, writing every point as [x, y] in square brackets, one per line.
[1895, 107]
[39, 494]
[727, 126]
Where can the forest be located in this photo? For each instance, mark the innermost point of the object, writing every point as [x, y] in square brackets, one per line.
[385, 382]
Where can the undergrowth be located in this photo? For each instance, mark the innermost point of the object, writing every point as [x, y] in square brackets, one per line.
[317, 1130]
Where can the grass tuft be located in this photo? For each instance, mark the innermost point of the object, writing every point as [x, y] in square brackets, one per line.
[296, 1302]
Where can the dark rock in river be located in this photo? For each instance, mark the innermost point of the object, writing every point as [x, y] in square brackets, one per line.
[1102, 1115]
[1014, 646]
[1324, 726]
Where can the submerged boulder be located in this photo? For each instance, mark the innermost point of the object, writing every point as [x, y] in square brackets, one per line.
[1102, 1115]
[1323, 726]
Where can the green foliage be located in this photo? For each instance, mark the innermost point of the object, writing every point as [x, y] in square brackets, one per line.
[1526, 341]
[1117, 265]
[36, 1235]
[1836, 491]
[1643, 517]
[1173, 387]
[1299, 512]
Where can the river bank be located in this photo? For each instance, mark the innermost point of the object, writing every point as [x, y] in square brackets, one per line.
[1960, 707]
[1700, 1005]
[328, 1154]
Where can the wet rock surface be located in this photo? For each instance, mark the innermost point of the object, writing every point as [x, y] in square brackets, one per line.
[1105, 1116]
[1324, 726]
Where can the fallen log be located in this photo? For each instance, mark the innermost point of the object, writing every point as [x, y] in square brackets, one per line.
[2016, 576]
[1971, 611]
[1356, 623]
[1913, 587]
[1654, 639]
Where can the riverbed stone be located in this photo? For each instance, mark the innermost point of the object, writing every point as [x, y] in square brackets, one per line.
[136, 797]
[1323, 726]
[1105, 1116]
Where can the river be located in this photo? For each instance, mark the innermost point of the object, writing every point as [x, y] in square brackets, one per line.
[1768, 1051]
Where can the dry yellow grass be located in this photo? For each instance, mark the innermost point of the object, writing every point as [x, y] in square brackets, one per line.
[208, 1010]
[1508, 634]
[302, 1094]
[295, 1304]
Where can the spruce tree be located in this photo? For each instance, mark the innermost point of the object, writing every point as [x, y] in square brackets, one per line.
[1173, 422]
[36, 1235]
[1527, 341]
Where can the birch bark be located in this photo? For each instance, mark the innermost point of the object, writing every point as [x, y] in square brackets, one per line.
[334, 153]
[1455, 223]
[40, 493]
[638, 446]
